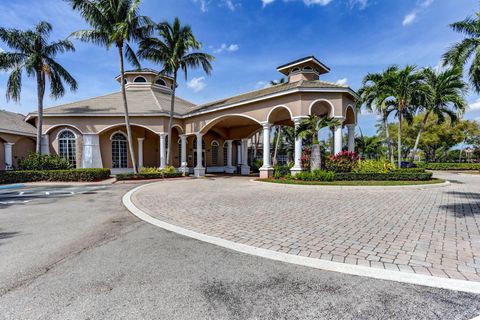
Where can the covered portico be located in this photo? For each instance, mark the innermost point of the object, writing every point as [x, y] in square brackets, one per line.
[210, 138]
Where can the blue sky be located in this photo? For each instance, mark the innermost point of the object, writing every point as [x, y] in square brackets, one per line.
[250, 38]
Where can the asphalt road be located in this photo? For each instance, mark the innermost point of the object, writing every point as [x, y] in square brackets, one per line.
[83, 256]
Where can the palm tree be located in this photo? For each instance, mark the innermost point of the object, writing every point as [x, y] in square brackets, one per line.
[277, 82]
[174, 49]
[405, 89]
[115, 23]
[445, 98]
[308, 129]
[33, 54]
[468, 49]
[374, 94]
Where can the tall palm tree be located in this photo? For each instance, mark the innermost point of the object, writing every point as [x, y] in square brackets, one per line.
[33, 54]
[308, 129]
[405, 89]
[374, 94]
[115, 23]
[468, 49]
[445, 98]
[174, 49]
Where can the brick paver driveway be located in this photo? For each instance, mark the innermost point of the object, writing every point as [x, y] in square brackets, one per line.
[433, 231]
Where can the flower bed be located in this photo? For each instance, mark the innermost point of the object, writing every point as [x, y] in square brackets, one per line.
[449, 166]
[72, 175]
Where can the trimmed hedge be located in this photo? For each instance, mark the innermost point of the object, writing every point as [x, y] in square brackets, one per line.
[81, 175]
[146, 176]
[400, 175]
[449, 166]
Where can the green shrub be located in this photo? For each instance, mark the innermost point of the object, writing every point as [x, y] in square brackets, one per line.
[81, 175]
[399, 175]
[280, 171]
[372, 166]
[149, 170]
[448, 166]
[146, 176]
[316, 175]
[35, 161]
[169, 170]
[256, 165]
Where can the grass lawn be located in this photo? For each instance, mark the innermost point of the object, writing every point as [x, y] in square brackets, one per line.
[353, 183]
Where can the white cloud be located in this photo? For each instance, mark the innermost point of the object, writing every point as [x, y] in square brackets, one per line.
[230, 4]
[227, 48]
[409, 18]
[362, 4]
[412, 16]
[342, 82]
[319, 2]
[197, 84]
[267, 2]
[262, 85]
[475, 105]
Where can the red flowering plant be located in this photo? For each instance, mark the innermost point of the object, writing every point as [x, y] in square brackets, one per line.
[342, 162]
[305, 159]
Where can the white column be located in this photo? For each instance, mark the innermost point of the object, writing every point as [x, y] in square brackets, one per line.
[140, 152]
[298, 150]
[199, 169]
[45, 144]
[230, 168]
[8, 146]
[245, 169]
[351, 137]
[266, 171]
[183, 155]
[163, 153]
[91, 155]
[239, 154]
[338, 139]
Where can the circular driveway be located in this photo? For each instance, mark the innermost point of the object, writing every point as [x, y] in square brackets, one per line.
[431, 231]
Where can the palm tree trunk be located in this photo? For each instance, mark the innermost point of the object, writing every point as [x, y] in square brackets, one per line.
[40, 95]
[279, 133]
[399, 141]
[387, 138]
[420, 131]
[125, 106]
[170, 120]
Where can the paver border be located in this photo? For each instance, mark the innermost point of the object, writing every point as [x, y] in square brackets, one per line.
[382, 274]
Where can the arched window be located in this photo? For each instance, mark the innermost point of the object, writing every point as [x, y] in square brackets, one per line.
[140, 80]
[67, 146]
[225, 153]
[296, 69]
[160, 82]
[307, 68]
[215, 146]
[119, 151]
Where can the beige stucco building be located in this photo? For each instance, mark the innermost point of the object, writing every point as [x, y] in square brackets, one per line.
[206, 138]
[17, 139]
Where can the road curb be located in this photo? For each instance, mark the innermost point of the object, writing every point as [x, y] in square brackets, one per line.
[403, 277]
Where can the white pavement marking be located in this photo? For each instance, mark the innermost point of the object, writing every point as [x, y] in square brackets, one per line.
[382, 274]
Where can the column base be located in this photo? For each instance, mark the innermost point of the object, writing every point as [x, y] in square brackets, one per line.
[230, 169]
[295, 170]
[266, 173]
[245, 170]
[199, 171]
[184, 170]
